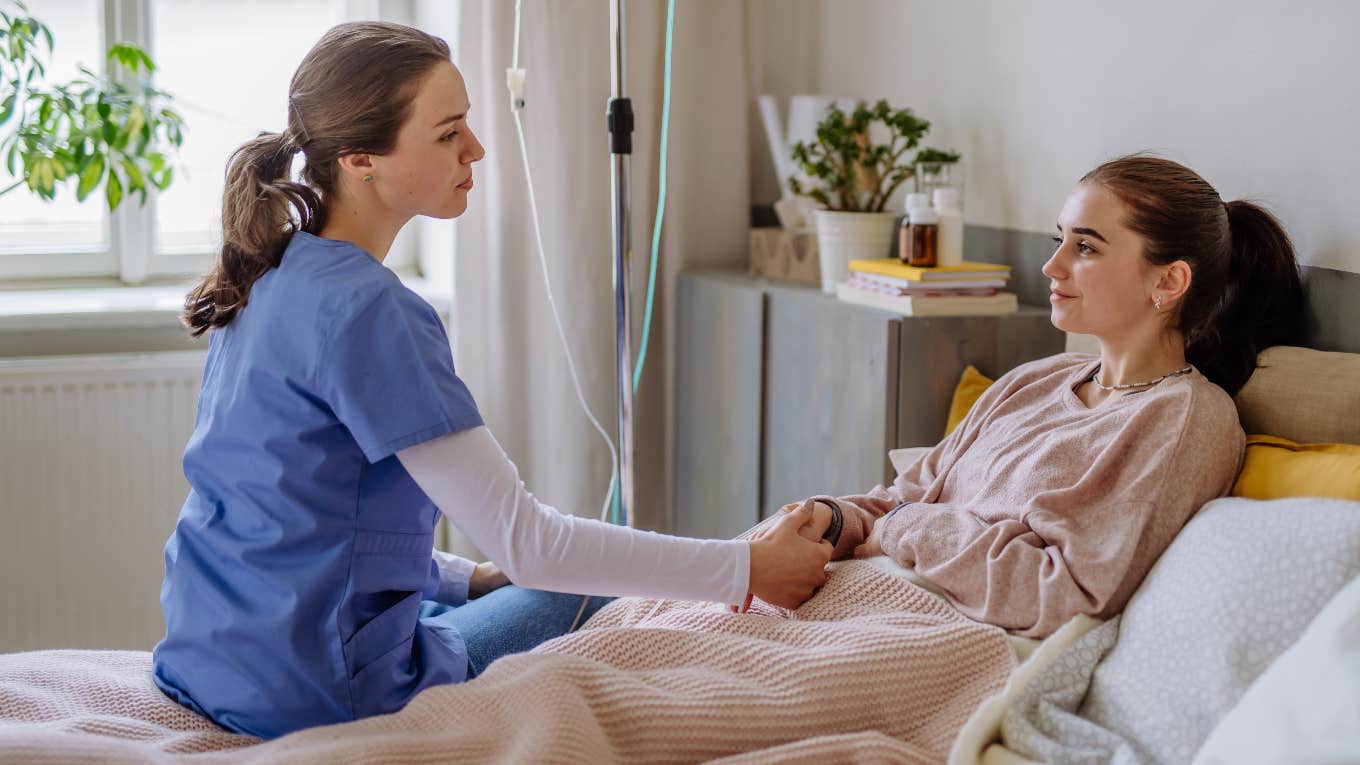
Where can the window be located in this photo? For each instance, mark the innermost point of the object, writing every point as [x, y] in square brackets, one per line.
[40, 238]
[228, 66]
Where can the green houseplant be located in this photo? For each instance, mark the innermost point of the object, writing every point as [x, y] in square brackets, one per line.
[853, 176]
[95, 130]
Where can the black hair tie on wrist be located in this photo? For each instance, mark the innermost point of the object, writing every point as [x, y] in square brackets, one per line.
[833, 532]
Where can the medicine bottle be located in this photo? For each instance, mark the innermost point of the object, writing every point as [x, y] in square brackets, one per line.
[914, 201]
[923, 233]
[950, 249]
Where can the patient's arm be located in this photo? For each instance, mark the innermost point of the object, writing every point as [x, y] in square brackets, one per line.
[1039, 551]
[1030, 575]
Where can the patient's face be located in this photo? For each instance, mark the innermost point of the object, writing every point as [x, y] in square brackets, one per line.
[1099, 280]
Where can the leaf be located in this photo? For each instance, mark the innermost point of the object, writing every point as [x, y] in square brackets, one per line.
[62, 164]
[135, 122]
[90, 176]
[118, 52]
[113, 191]
[163, 182]
[42, 179]
[131, 57]
[136, 181]
[9, 160]
[7, 107]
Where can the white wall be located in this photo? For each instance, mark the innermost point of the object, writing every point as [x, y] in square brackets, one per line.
[1259, 97]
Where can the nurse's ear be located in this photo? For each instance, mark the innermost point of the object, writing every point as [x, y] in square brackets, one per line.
[357, 168]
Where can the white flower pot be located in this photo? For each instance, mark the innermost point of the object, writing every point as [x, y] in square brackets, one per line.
[846, 236]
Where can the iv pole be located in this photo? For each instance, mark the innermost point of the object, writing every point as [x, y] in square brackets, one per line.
[619, 119]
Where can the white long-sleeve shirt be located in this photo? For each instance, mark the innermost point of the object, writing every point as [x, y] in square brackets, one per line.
[473, 482]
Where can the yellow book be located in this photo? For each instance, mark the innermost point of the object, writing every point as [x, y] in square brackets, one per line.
[963, 271]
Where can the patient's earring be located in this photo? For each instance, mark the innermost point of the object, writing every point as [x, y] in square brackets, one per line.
[368, 178]
[1156, 301]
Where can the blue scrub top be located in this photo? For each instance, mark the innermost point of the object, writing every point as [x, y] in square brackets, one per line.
[294, 576]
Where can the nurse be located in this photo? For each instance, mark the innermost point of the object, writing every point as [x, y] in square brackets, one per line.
[301, 582]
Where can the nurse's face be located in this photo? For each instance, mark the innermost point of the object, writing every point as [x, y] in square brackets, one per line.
[429, 172]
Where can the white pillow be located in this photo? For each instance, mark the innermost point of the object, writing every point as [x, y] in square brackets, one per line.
[1306, 706]
[901, 459]
[1238, 585]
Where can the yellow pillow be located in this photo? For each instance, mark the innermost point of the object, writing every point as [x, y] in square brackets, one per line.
[1276, 468]
[970, 388]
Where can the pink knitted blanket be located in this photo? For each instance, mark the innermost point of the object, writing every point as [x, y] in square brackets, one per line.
[873, 669]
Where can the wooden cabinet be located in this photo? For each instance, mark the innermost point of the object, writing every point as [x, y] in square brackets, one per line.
[782, 392]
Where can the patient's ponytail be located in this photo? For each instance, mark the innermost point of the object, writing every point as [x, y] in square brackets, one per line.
[350, 95]
[1261, 303]
[1245, 294]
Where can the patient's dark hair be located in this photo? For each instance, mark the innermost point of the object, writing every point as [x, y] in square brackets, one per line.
[1245, 294]
[350, 95]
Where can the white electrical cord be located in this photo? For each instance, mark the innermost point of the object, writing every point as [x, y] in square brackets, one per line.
[514, 80]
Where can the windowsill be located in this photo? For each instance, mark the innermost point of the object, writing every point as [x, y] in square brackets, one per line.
[117, 306]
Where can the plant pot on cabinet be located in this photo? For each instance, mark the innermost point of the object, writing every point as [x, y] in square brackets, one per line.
[846, 236]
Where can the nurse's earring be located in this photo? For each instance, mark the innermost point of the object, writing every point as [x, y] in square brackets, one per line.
[368, 179]
[1156, 301]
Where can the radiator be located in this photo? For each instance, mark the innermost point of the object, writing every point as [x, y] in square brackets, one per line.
[90, 486]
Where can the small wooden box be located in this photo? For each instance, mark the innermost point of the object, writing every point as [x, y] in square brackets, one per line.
[785, 255]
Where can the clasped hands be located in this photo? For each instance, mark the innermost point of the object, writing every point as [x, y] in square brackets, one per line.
[789, 554]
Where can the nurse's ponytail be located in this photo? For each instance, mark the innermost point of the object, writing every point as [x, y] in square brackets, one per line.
[350, 95]
[261, 208]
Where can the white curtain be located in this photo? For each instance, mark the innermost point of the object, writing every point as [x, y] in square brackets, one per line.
[506, 347]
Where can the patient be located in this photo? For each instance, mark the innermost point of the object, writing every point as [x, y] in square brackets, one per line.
[1073, 473]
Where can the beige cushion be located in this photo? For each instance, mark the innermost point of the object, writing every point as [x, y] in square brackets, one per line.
[1303, 395]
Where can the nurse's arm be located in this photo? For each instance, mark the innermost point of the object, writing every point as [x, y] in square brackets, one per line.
[470, 478]
[474, 483]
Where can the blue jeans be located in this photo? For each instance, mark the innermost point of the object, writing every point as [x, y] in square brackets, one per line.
[509, 620]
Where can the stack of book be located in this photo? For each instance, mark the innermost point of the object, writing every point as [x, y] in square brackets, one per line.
[967, 289]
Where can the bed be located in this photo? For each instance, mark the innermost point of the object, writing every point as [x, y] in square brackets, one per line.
[876, 668]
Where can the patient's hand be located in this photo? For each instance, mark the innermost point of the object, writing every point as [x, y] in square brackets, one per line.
[874, 544]
[812, 530]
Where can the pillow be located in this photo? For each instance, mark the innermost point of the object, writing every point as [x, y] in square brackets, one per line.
[1306, 706]
[1236, 588]
[1276, 468]
[1304, 395]
[966, 393]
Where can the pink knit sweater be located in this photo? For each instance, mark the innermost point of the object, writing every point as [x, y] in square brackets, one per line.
[1037, 508]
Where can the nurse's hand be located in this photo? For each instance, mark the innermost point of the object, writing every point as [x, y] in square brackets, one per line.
[787, 568]
[485, 578]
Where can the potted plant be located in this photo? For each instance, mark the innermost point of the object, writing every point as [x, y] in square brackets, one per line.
[95, 130]
[938, 169]
[856, 176]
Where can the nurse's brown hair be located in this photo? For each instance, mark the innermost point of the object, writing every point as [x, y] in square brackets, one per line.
[350, 95]
[1245, 294]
